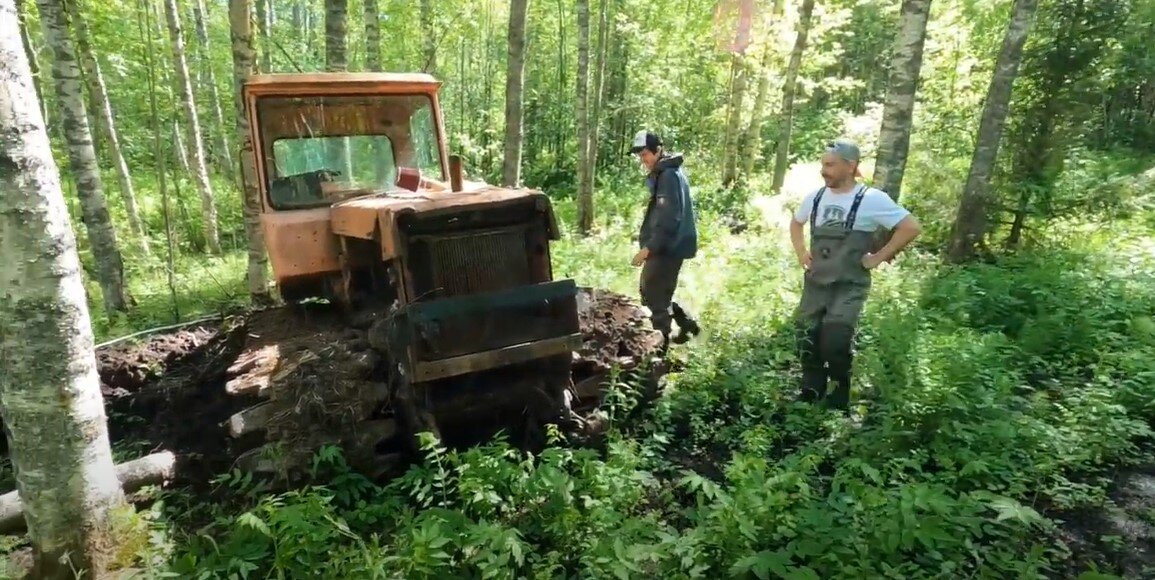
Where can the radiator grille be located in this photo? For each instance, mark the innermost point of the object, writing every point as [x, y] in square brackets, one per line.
[480, 262]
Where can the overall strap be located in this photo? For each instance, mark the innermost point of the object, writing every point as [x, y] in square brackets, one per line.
[814, 208]
[854, 207]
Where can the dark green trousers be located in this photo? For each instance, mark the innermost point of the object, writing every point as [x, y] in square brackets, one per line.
[826, 320]
[658, 281]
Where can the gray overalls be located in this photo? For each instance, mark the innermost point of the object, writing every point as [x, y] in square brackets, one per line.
[833, 292]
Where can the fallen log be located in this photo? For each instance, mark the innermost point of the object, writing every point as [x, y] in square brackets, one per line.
[133, 475]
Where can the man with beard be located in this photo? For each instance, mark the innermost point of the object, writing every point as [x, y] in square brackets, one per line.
[843, 217]
[668, 236]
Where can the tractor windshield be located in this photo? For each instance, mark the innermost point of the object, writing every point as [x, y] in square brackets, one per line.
[318, 150]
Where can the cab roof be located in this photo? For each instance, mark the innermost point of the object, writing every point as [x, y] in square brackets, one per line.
[341, 82]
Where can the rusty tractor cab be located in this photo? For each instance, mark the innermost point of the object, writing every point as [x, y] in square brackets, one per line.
[360, 206]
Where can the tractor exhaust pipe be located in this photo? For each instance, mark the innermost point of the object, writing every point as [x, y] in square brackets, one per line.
[455, 175]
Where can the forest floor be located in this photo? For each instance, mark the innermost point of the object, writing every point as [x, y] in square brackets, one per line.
[989, 392]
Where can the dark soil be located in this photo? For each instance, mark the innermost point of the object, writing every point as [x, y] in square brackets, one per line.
[1119, 539]
[177, 391]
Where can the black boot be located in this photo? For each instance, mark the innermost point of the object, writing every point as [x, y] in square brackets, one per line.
[840, 397]
[813, 385]
[687, 326]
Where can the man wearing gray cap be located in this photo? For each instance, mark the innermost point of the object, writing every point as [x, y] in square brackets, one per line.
[844, 216]
[668, 236]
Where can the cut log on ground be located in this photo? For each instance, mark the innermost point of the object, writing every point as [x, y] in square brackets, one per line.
[133, 475]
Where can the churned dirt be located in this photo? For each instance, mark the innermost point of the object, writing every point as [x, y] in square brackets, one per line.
[617, 331]
[314, 373]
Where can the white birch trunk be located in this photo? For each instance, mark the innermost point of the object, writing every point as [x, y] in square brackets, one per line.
[970, 224]
[898, 109]
[99, 93]
[82, 156]
[585, 192]
[194, 142]
[514, 86]
[225, 157]
[788, 88]
[49, 391]
[372, 36]
[243, 62]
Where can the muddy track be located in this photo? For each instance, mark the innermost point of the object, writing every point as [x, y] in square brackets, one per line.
[179, 390]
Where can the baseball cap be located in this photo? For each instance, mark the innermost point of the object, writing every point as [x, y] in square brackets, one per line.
[847, 150]
[645, 140]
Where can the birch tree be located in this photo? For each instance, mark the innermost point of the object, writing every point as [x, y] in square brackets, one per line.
[372, 36]
[428, 37]
[514, 85]
[898, 108]
[336, 60]
[732, 135]
[585, 193]
[99, 94]
[225, 157]
[595, 113]
[82, 156]
[788, 88]
[265, 55]
[753, 138]
[33, 63]
[49, 391]
[970, 223]
[243, 63]
[194, 142]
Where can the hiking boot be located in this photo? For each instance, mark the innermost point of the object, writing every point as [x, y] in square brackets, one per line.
[687, 326]
[839, 398]
[813, 386]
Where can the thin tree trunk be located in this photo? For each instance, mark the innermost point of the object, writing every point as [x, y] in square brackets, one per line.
[514, 85]
[50, 394]
[595, 115]
[33, 63]
[99, 93]
[242, 39]
[181, 151]
[335, 27]
[159, 155]
[372, 36]
[970, 224]
[225, 156]
[788, 88]
[585, 192]
[734, 121]
[753, 140]
[898, 110]
[195, 144]
[336, 32]
[82, 156]
[264, 48]
[429, 37]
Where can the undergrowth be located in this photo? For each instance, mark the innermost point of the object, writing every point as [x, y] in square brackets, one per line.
[994, 399]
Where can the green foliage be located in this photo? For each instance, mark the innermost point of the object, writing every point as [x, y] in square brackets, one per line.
[994, 397]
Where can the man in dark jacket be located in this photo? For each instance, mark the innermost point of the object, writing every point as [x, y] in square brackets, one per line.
[668, 236]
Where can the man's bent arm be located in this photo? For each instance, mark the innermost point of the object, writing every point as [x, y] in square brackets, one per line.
[904, 232]
[796, 238]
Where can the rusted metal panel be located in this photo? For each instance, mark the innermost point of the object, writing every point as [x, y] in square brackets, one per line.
[432, 370]
[340, 83]
[300, 243]
[353, 221]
